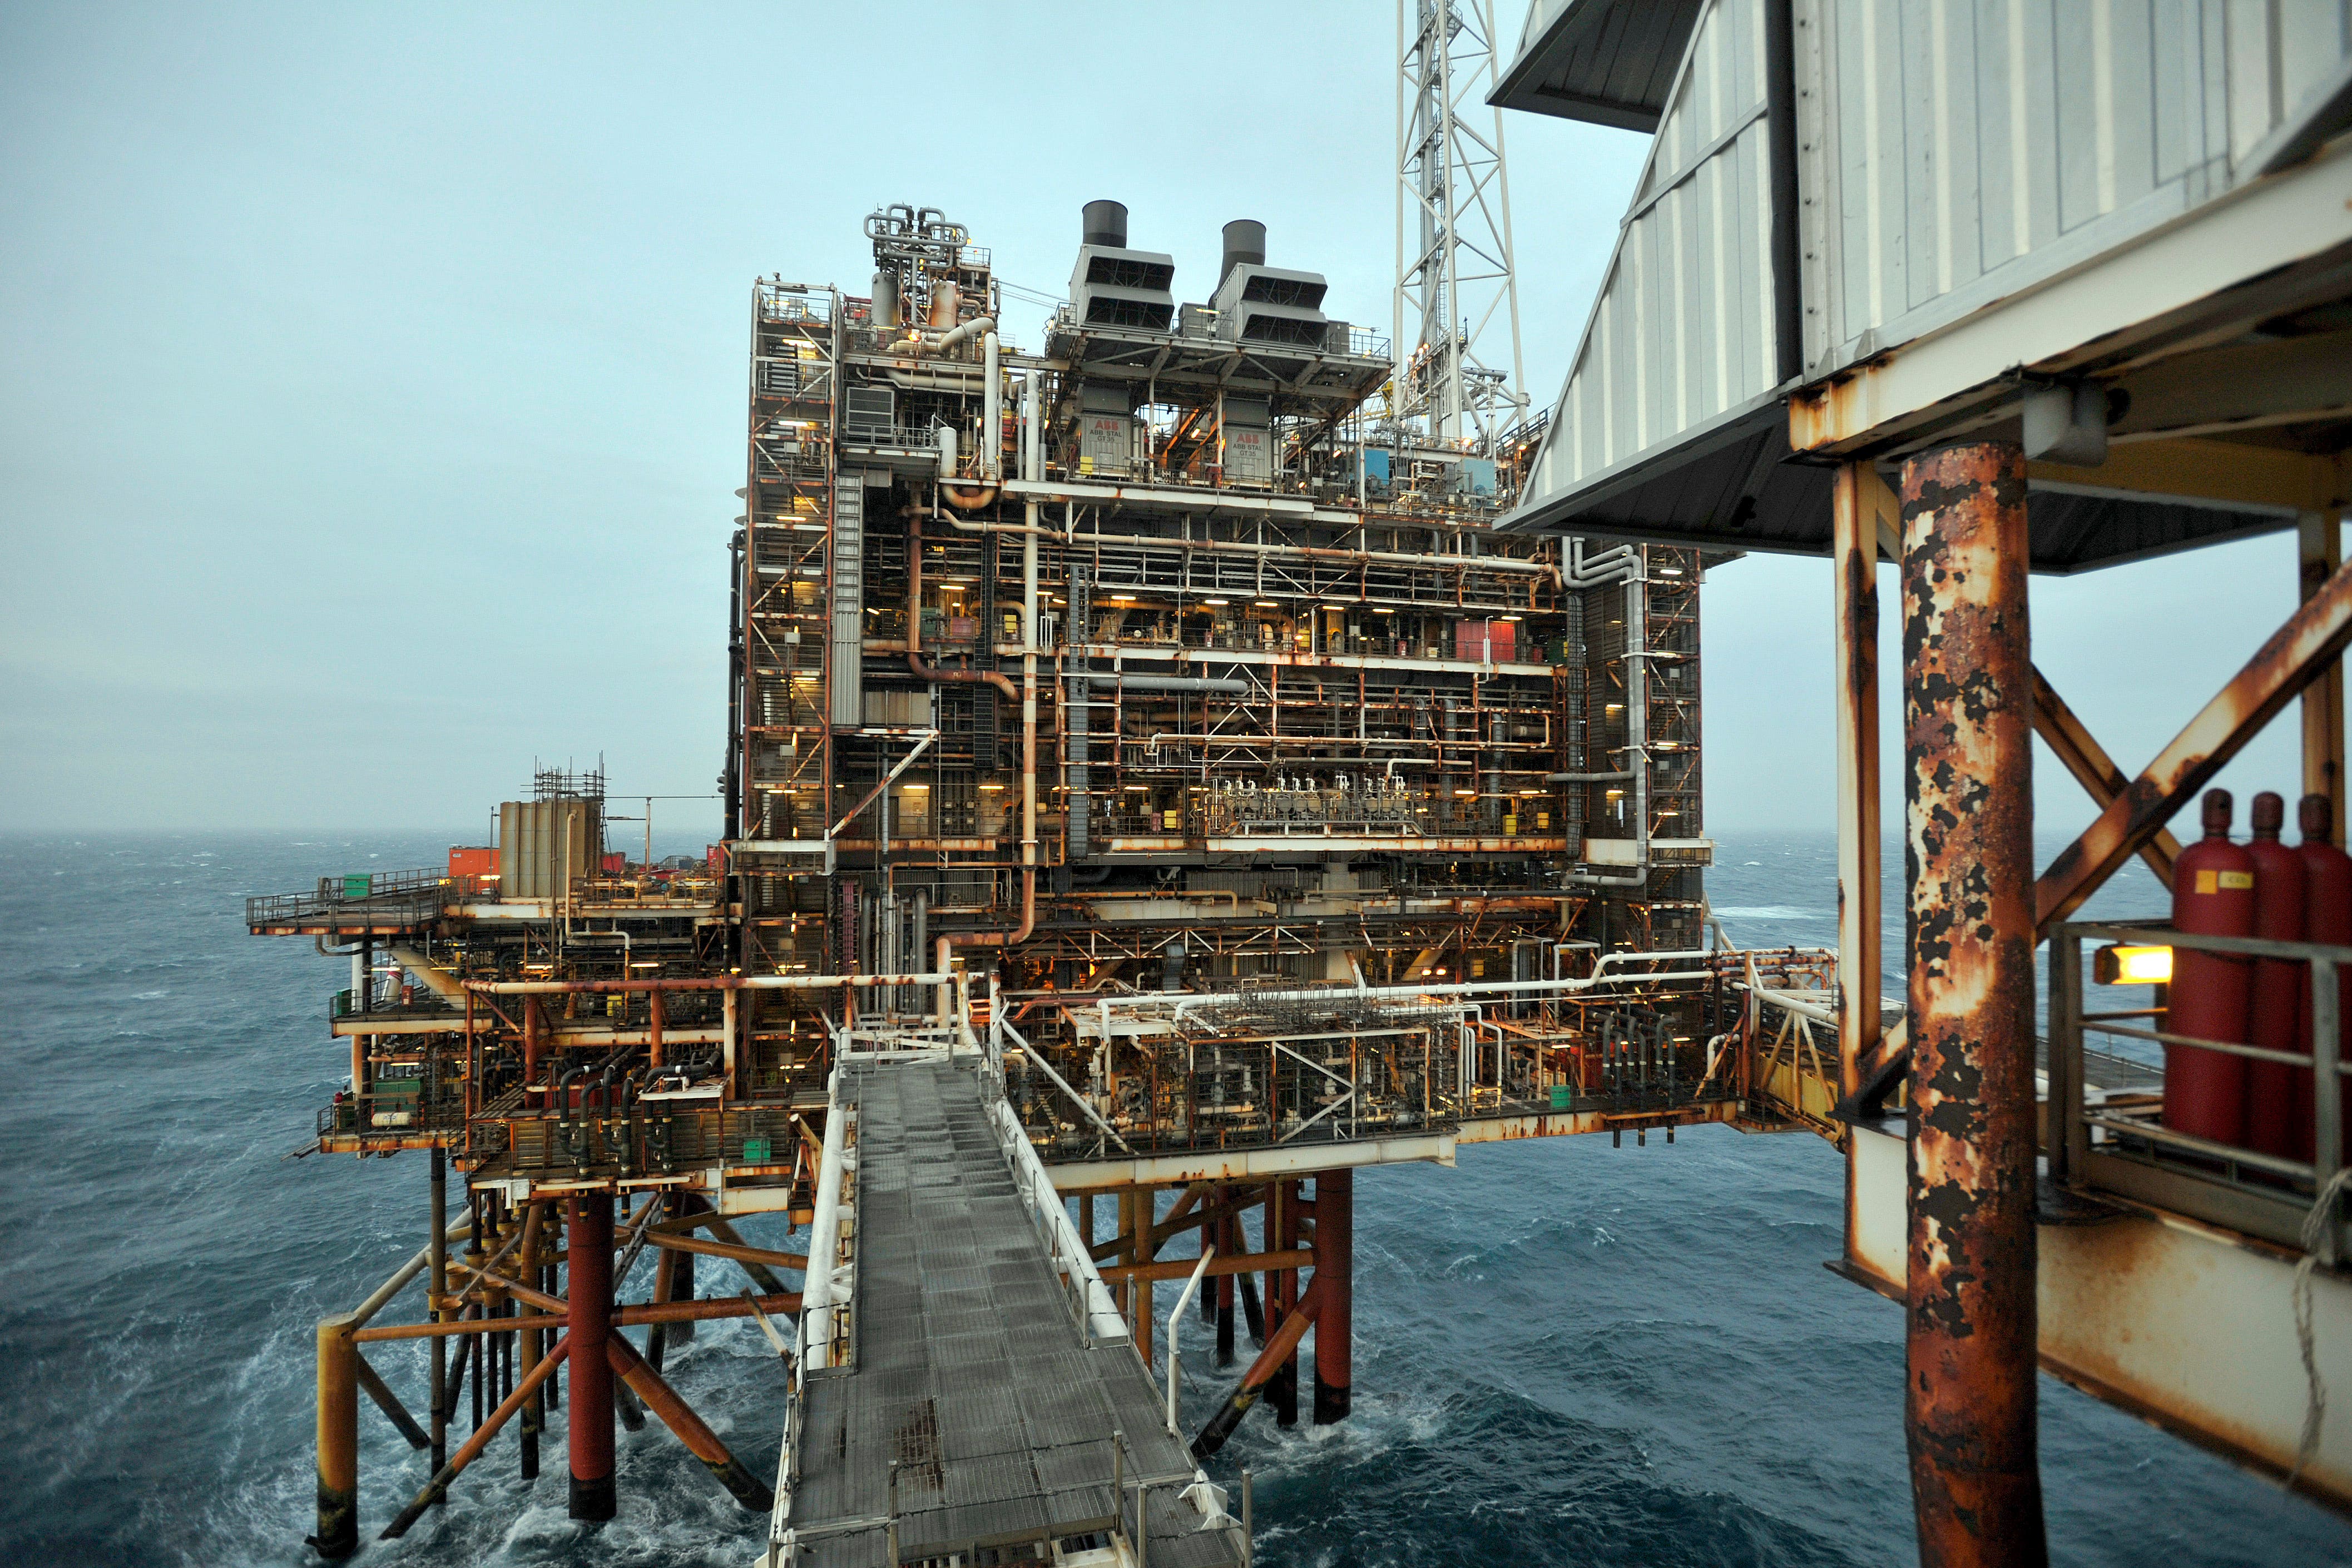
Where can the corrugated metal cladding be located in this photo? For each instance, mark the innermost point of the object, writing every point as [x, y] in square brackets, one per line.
[1952, 152]
[541, 842]
[1971, 147]
[1683, 330]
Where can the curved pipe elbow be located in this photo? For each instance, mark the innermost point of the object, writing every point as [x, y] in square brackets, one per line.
[968, 498]
[964, 333]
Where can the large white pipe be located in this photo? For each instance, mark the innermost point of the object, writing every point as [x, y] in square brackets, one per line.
[824, 1235]
[965, 333]
[1329, 993]
[991, 438]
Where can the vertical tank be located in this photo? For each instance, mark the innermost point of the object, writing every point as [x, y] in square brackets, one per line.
[2327, 917]
[2281, 998]
[2212, 896]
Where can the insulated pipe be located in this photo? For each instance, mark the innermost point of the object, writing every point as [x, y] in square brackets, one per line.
[991, 441]
[1612, 565]
[1233, 687]
[947, 443]
[1279, 1348]
[588, 1294]
[824, 1239]
[1033, 436]
[972, 328]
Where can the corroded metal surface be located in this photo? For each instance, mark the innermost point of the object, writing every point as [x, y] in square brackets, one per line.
[1970, 1344]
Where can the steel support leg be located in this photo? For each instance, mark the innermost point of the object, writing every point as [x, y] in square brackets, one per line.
[681, 1279]
[1970, 1330]
[589, 1292]
[1282, 1301]
[339, 1439]
[436, 1286]
[1335, 1222]
[1229, 1244]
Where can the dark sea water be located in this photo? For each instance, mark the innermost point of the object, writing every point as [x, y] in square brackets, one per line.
[1566, 1353]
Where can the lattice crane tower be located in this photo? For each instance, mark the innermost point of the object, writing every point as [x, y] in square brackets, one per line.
[1455, 274]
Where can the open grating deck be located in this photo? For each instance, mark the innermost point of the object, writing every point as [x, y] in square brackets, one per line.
[969, 1370]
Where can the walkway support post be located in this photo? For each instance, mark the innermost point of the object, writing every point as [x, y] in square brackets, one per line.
[588, 1292]
[1970, 1340]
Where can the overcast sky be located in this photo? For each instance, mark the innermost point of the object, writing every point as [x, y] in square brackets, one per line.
[371, 401]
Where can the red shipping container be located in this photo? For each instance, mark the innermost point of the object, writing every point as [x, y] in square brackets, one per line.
[470, 860]
[714, 857]
[1478, 641]
[615, 864]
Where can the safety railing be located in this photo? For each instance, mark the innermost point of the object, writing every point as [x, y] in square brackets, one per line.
[2131, 1148]
[361, 898]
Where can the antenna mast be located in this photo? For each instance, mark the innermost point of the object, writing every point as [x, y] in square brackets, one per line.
[1453, 274]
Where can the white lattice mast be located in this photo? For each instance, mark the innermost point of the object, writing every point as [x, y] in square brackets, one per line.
[1455, 295]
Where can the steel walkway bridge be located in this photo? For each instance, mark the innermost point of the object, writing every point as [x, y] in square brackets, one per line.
[965, 1385]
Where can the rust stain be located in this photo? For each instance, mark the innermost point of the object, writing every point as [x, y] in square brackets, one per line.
[1968, 733]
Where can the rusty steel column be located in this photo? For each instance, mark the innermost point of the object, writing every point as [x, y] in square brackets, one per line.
[1968, 720]
[1229, 1244]
[588, 1290]
[681, 1278]
[1281, 1301]
[1334, 1268]
[339, 1439]
[1853, 558]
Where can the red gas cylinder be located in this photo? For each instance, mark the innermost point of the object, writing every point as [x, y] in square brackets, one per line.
[2280, 1000]
[2212, 896]
[2327, 917]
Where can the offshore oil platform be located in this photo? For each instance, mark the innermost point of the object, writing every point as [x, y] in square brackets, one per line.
[1218, 749]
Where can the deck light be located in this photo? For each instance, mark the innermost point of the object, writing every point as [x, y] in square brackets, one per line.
[2132, 966]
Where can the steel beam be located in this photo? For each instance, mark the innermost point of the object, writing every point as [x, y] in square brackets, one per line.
[2320, 552]
[2296, 654]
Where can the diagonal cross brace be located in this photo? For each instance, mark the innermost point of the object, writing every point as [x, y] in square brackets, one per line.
[2093, 768]
[2296, 654]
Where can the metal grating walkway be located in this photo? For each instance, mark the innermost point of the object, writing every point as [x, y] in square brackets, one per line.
[968, 1369]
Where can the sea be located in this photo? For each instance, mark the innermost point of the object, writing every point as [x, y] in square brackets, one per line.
[1566, 1353]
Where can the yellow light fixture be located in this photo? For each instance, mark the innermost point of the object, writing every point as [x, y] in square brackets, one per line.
[1218, 601]
[2121, 966]
[1265, 604]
